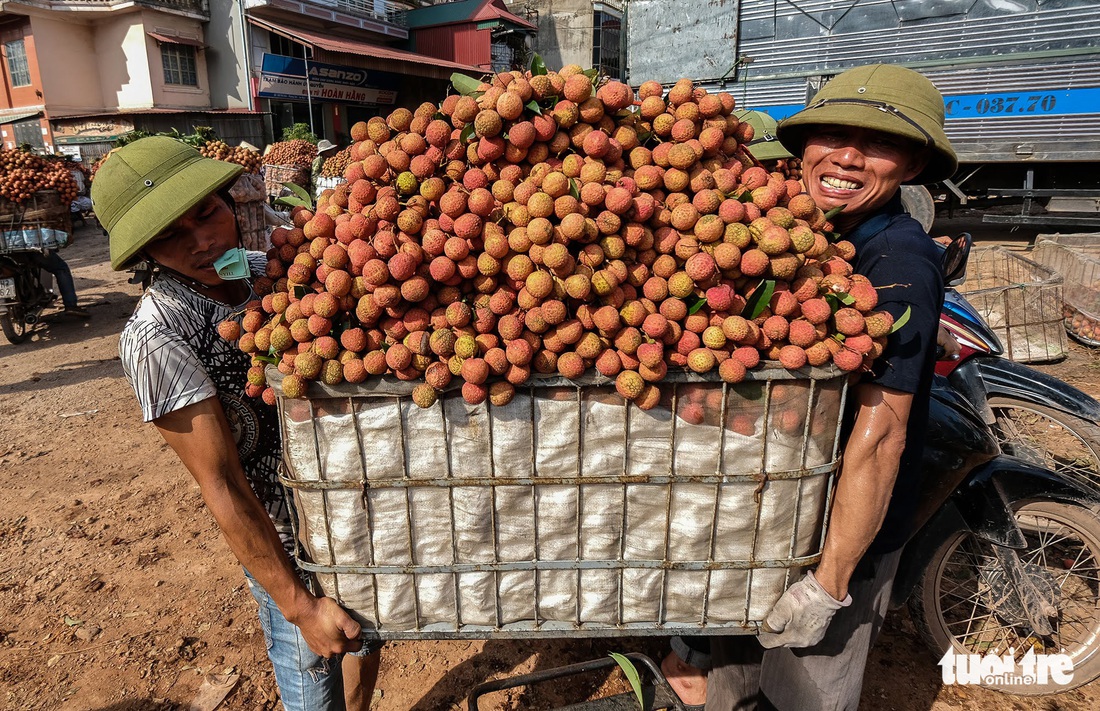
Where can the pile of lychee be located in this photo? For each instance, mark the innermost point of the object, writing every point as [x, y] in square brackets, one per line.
[547, 225]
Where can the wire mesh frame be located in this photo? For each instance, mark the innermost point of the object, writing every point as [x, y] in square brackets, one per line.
[1022, 302]
[537, 626]
[1078, 262]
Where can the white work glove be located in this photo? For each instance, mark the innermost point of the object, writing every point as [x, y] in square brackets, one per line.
[801, 616]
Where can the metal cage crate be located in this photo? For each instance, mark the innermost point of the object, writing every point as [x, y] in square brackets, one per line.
[1020, 300]
[1080, 270]
[567, 512]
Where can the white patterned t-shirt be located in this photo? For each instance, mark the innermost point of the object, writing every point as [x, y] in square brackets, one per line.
[173, 357]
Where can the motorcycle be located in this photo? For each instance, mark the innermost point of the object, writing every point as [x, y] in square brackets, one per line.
[1005, 559]
[25, 291]
[1034, 416]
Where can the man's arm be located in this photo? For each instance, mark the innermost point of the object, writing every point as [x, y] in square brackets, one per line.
[200, 435]
[867, 475]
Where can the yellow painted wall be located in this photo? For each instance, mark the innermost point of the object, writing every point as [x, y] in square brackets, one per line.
[122, 61]
[172, 95]
[68, 64]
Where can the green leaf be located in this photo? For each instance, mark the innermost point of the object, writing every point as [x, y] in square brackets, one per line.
[745, 196]
[464, 85]
[761, 297]
[467, 133]
[834, 212]
[631, 673]
[299, 191]
[591, 73]
[573, 190]
[903, 320]
[440, 116]
[269, 359]
[834, 301]
[698, 303]
[538, 67]
[300, 291]
[845, 298]
[294, 202]
[534, 106]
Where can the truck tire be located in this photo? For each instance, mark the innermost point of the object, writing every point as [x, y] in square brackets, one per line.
[918, 202]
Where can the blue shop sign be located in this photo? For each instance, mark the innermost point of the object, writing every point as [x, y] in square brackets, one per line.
[284, 77]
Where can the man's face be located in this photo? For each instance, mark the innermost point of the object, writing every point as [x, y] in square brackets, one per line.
[857, 167]
[192, 243]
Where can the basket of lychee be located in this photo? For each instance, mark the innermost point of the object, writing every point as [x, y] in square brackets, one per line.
[554, 225]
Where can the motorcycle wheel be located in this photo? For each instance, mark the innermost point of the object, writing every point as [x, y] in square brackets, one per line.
[1049, 438]
[13, 325]
[952, 607]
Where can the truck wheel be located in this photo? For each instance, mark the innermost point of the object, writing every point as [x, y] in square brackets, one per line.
[963, 601]
[918, 202]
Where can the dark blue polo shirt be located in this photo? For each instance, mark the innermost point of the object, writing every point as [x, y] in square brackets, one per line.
[898, 256]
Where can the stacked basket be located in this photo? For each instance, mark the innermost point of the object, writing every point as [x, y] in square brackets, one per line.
[1077, 258]
[1021, 301]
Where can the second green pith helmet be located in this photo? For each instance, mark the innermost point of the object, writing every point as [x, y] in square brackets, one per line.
[145, 186]
[765, 145]
[882, 97]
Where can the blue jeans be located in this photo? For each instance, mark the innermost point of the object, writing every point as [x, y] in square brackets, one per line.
[307, 682]
[54, 264]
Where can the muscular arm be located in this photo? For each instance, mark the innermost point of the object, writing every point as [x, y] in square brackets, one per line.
[200, 435]
[867, 475]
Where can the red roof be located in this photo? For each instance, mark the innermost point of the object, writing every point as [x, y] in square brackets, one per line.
[495, 10]
[349, 46]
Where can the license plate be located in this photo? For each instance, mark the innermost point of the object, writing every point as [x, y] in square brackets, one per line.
[7, 288]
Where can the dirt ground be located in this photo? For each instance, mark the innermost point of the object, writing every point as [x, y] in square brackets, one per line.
[116, 591]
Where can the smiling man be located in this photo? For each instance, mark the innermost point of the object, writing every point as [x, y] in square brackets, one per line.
[163, 202]
[870, 130]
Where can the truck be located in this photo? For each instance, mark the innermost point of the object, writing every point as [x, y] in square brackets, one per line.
[1020, 78]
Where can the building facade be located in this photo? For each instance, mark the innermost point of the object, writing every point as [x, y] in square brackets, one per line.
[582, 32]
[77, 74]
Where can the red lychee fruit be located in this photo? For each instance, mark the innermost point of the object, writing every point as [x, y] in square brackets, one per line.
[792, 357]
[878, 323]
[848, 321]
[816, 310]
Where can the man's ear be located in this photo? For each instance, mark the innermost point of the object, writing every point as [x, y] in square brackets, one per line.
[918, 163]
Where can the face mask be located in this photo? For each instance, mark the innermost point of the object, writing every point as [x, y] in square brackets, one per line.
[233, 265]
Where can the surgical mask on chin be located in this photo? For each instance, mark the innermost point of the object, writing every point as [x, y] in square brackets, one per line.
[233, 265]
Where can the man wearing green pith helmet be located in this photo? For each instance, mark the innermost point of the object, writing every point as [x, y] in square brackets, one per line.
[161, 201]
[867, 132]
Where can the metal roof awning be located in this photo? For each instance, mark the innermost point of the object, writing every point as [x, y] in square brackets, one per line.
[18, 114]
[172, 39]
[378, 57]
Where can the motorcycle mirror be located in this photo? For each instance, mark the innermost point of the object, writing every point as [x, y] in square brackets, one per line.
[953, 262]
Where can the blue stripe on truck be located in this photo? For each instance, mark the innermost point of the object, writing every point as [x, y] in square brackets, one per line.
[1008, 103]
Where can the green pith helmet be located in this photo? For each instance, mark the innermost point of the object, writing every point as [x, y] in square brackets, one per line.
[885, 98]
[764, 144]
[145, 186]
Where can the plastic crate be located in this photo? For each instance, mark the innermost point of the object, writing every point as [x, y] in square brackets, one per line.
[1080, 270]
[568, 511]
[1020, 300]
